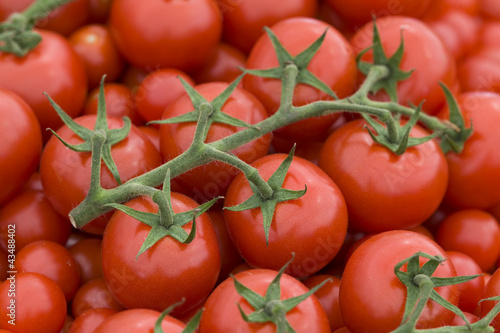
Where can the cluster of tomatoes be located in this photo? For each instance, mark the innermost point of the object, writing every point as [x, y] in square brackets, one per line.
[364, 208]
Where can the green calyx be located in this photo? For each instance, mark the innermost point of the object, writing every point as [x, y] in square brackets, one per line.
[205, 112]
[16, 35]
[112, 136]
[400, 142]
[300, 61]
[268, 204]
[165, 222]
[271, 308]
[191, 326]
[390, 81]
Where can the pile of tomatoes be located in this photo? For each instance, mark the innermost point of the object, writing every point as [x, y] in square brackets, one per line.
[363, 208]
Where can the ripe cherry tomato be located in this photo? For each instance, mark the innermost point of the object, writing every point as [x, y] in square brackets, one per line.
[369, 289]
[40, 306]
[119, 102]
[90, 319]
[52, 260]
[333, 64]
[224, 64]
[474, 173]
[491, 289]
[96, 48]
[92, 295]
[34, 219]
[314, 242]
[67, 85]
[358, 12]
[328, 296]
[166, 272]
[150, 96]
[138, 321]
[307, 316]
[384, 191]
[480, 71]
[424, 53]
[21, 144]
[183, 35]
[87, 254]
[243, 21]
[473, 232]
[211, 180]
[65, 173]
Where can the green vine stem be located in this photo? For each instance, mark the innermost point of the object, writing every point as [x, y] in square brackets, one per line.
[287, 114]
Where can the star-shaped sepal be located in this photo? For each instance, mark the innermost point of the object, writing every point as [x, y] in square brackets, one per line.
[280, 194]
[390, 82]
[301, 61]
[113, 136]
[166, 222]
[271, 308]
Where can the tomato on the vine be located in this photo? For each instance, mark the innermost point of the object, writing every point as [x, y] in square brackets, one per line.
[384, 191]
[169, 270]
[369, 289]
[333, 64]
[313, 226]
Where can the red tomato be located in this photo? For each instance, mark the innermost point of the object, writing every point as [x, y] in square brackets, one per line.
[358, 12]
[470, 291]
[307, 316]
[480, 71]
[40, 306]
[243, 21]
[333, 64]
[90, 319]
[475, 172]
[166, 272]
[472, 318]
[328, 296]
[423, 52]
[153, 135]
[211, 180]
[395, 192]
[66, 174]
[138, 321]
[67, 85]
[87, 254]
[119, 102]
[184, 33]
[369, 289]
[490, 9]
[473, 232]
[224, 64]
[150, 97]
[63, 20]
[96, 48]
[33, 219]
[92, 295]
[52, 260]
[314, 243]
[491, 289]
[99, 10]
[21, 144]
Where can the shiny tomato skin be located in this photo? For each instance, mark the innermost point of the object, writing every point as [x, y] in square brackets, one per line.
[312, 226]
[384, 191]
[21, 139]
[87, 254]
[244, 21]
[166, 272]
[328, 296]
[92, 295]
[424, 53]
[224, 64]
[491, 289]
[473, 232]
[138, 321]
[52, 260]
[34, 219]
[358, 12]
[307, 316]
[211, 180]
[183, 35]
[369, 287]
[90, 319]
[67, 85]
[40, 304]
[96, 48]
[65, 173]
[333, 64]
[475, 172]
